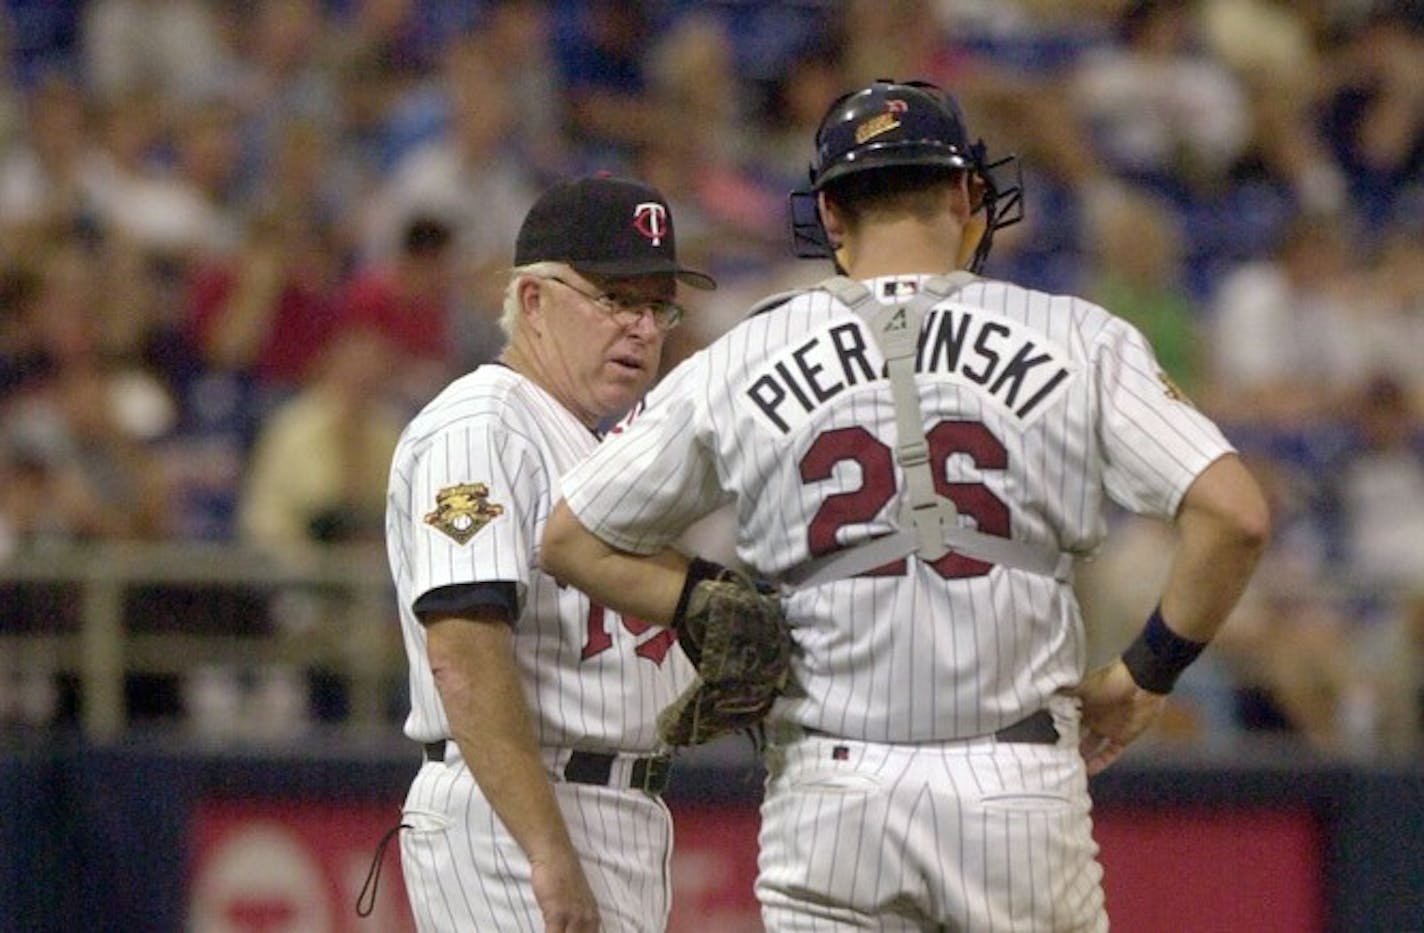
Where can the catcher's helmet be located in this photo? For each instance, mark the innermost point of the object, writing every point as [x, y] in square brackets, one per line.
[892, 124]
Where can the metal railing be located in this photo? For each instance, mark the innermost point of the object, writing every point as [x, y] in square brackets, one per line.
[355, 634]
[348, 627]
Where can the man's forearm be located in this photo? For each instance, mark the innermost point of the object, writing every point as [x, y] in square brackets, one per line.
[490, 721]
[1223, 527]
[647, 587]
[1209, 572]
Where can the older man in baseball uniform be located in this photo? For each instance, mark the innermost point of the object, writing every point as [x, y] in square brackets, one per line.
[918, 455]
[537, 807]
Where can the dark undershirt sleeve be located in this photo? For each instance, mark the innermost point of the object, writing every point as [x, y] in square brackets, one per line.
[463, 598]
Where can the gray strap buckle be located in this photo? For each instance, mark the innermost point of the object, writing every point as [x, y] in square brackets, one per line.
[929, 523]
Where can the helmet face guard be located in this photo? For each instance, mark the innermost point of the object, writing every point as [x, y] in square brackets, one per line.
[892, 124]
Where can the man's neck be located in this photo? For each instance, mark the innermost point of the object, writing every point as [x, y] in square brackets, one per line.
[520, 358]
[901, 248]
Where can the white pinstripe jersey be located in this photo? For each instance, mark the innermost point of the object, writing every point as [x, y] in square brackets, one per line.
[1037, 408]
[472, 482]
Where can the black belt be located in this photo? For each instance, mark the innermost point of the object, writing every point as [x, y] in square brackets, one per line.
[647, 774]
[1034, 729]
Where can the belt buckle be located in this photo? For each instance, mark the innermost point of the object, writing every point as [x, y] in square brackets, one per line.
[651, 775]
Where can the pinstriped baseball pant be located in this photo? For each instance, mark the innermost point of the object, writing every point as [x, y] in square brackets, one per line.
[464, 872]
[975, 835]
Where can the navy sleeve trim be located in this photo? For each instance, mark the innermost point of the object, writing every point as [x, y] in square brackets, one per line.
[463, 598]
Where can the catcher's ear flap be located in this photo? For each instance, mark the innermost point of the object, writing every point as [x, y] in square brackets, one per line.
[808, 235]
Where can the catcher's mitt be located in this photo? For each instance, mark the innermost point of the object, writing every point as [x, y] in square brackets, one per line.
[741, 644]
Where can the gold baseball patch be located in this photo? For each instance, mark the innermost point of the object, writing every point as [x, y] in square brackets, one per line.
[1174, 391]
[461, 511]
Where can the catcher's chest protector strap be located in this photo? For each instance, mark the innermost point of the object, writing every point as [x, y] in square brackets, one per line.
[929, 523]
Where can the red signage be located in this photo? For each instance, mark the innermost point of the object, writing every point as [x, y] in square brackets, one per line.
[292, 867]
[298, 866]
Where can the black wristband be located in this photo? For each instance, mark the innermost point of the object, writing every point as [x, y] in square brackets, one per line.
[697, 571]
[1159, 655]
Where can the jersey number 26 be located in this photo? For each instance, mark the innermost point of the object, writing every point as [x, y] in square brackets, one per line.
[877, 470]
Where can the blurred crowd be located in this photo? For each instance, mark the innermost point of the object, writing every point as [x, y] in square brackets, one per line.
[241, 243]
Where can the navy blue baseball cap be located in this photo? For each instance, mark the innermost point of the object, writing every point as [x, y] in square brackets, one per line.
[606, 226]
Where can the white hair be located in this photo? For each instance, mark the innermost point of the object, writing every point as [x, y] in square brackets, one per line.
[509, 317]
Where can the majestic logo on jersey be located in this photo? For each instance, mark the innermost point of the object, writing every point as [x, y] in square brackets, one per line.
[650, 219]
[1009, 365]
[461, 511]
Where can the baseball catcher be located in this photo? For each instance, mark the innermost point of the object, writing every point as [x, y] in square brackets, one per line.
[949, 689]
[734, 632]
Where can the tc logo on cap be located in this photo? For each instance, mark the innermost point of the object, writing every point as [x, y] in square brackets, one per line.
[650, 219]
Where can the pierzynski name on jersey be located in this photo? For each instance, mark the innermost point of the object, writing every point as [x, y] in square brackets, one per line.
[1009, 364]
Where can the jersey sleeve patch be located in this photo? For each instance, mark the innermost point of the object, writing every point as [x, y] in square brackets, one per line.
[462, 510]
[1172, 390]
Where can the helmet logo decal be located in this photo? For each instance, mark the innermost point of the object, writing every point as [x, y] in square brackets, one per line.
[881, 122]
[650, 219]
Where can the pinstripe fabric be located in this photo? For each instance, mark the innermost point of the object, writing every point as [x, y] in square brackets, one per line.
[971, 835]
[496, 428]
[913, 657]
[465, 873]
[1039, 410]
[594, 680]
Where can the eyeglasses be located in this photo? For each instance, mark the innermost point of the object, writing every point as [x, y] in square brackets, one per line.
[627, 311]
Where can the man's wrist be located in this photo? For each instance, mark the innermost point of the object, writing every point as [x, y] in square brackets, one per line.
[697, 571]
[1158, 656]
